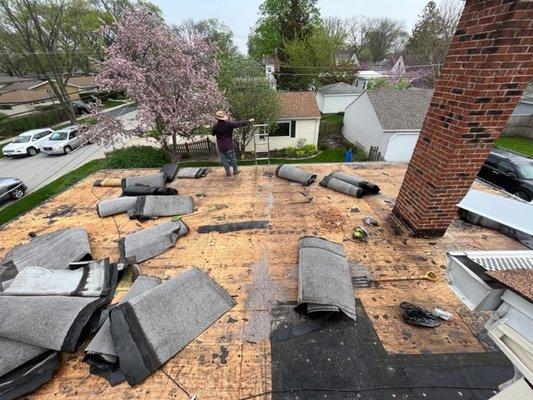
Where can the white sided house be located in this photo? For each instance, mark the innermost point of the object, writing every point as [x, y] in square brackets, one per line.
[389, 120]
[298, 123]
[336, 97]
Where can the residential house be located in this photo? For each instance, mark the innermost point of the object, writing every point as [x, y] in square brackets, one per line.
[12, 83]
[363, 77]
[271, 64]
[346, 56]
[25, 94]
[298, 123]
[389, 120]
[336, 97]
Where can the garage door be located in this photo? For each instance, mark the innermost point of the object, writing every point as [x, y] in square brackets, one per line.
[401, 146]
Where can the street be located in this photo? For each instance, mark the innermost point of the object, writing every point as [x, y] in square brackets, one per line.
[42, 169]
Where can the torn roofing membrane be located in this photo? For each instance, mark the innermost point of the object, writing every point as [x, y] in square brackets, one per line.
[29, 376]
[145, 335]
[192, 173]
[324, 280]
[52, 322]
[169, 171]
[234, 226]
[140, 190]
[342, 187]
[14, 353]
[512, 213]
[91, 279]
[119, 205]
[150, 242]
[101, 354]
[54, 250]
[161, 206]
[155, 180]
[295, 174]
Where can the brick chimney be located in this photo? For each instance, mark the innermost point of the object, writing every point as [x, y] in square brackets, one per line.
[488, 65]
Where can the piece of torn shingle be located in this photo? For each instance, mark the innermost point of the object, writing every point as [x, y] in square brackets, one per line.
[150, 329]
[324, 281]
[234, 226]
[119, 205]
[161, 206]
[155, 180]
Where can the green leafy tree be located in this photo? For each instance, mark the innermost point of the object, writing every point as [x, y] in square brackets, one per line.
[313, 58]
[432, 34]
[248, 92]
[281, 21]
[382, 36]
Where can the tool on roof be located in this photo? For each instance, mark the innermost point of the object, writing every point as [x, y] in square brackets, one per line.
[430, 276]
[308, 199]
[416, 315]
[360, 233]
[108, 182]
[216, 207]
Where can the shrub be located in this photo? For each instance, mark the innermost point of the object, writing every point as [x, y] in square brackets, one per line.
[137, 157]
[14, 125]
[294, 152]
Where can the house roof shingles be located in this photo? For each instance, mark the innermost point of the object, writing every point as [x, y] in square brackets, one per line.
[340, 88]
[23, 96]
[298, 105]
[401, 109]
[82, 81]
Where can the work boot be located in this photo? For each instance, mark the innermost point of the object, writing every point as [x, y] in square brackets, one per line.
[228, 172]
[236, 172]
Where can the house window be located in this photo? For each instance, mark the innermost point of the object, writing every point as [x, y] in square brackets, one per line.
[282, 129]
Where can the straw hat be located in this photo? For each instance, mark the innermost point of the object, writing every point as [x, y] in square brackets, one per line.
[221, 115]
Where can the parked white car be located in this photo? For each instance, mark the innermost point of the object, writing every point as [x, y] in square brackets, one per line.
[62, 141]
[27, 143]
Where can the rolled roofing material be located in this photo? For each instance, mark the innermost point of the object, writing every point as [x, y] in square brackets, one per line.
[13, 354]
[192, 173]
[155, 180]
[341, 186]
[150, 242]
[161, 206]
[52, 322]
[356, 180]
[295, 174]
[148, 190]
[54, 250]
[29, 376]
[324, 280]
[169, 171]
[119, 205]
[92, 280]
[101, 354]
[151, 328]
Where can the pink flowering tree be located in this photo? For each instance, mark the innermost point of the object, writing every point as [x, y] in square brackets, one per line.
[172, 79]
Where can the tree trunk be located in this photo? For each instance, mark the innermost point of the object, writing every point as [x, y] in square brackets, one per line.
[174, 143]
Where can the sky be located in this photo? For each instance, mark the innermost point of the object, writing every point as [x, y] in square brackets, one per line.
[240, 15]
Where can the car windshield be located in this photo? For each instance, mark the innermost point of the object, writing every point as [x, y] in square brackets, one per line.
[59, 136]
[525, 170]
[22, 139]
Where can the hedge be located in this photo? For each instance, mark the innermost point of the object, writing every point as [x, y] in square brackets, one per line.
[14, 125]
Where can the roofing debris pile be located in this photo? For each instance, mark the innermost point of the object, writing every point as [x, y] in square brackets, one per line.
[52, 295]
[352, 185]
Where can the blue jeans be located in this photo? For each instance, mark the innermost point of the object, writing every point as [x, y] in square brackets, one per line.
[227, 158]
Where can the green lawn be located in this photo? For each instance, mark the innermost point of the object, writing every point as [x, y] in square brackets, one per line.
[517, 144]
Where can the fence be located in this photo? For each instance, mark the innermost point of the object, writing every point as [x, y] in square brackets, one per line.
[519, 125]
[374, 154]
[205, 146]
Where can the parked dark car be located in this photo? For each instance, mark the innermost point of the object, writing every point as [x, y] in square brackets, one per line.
[11, 188]
[509, 171]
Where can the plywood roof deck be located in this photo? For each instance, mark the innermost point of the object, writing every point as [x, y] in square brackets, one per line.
[231, 359]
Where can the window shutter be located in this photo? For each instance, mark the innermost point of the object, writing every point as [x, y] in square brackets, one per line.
[293, 129]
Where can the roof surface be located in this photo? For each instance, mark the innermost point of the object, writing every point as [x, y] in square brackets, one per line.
[519, 281]
[82, 81]
[340, 88]
[298, 105]
[19, 85]
[413, 60]
[23, 96]
[233, 358]
[401, 109]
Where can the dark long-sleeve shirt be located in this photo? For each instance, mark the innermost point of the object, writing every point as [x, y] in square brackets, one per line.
[223, 130]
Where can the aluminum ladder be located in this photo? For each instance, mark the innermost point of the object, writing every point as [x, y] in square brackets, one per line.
[261, 140]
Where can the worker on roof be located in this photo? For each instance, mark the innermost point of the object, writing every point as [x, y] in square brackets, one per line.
[223, 130]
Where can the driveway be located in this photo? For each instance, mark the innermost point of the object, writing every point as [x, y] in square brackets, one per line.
[42, 169]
